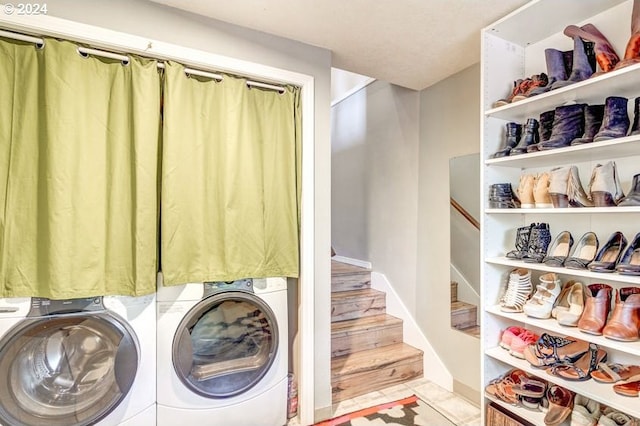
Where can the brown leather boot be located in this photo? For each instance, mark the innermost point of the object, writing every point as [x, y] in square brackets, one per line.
[625, 318]
[596, 308]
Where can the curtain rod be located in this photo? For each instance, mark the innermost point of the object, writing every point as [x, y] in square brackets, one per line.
[86, 51]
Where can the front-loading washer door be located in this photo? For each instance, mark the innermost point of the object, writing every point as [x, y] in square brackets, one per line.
[225, 344]
[64, 370]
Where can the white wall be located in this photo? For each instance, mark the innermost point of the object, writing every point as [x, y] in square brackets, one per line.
[449, 127]
[374, 138]
[172, 26]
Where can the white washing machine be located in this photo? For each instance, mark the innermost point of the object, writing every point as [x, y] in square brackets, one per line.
[78, 362]
[223, 353]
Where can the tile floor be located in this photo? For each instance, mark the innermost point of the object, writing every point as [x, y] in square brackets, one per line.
[455, 408]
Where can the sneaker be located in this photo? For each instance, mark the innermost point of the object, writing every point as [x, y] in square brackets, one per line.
[518, 291]
[586, 412]
[521, 341]
[508, 334]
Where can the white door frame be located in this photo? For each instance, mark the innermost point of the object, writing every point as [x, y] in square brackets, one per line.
[43, 25]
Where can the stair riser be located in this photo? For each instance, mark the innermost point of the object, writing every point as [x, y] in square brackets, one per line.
[352, 385]
[454, 292]
[464, 318]
[356, 281]
[358, 308]
[370, 339]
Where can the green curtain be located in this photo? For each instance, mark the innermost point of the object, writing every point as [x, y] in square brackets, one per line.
[78, 170]
[230, 180]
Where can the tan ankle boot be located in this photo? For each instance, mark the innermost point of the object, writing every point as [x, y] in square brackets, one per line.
[525, 191]
[541, 191]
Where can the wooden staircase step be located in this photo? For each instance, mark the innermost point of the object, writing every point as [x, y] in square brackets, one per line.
[346, 305]
[472, 331]
[454, 291]
[346, 277]
[364, 333]
[463, 315]
[366, 371]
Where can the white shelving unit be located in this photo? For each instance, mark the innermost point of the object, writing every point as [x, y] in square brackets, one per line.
[513, 48]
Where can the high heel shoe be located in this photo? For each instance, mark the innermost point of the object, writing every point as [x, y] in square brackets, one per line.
[538, 245]
[522, 241]
[629, 263]
[596, 308]
[541, 303]
[559, 249]
[609, 254]
[605, 187]
[624, 323]
[584, 252]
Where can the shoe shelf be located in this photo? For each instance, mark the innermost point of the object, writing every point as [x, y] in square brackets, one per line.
[595, 151]
[594, 90]
[584, 273]
[535, 417]
[601, 392]
[552, 326]
[581, 210]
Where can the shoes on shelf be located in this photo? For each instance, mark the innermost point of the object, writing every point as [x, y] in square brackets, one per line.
[615, 122]
[511, 139]
[522, 341]
[501, 196]
[580, 67]
[530, 136]
[584, 252]
[550, 350]
[635, 126]
[545, 127]
[556, 70]
[518, 291]
[570, 306]
[613, 373]
[541, 303]
[628, 388]
[502, 387]
[629, 263]
[576, 195]
[560, 404]
[624, 322]
[559, 249]
[530, 391]
[508, 335]
[632, 52]
[611, 417]
[519, 86]
[536, 81]
[593, 116]
[541, 196]
[568, 124]
[596, 308]
[586, 412]
[522, 241]
[538, 243]
[633, 197]
[606, 56]
[609, 254]
[525, 191]
[565, 188]
[580, 369]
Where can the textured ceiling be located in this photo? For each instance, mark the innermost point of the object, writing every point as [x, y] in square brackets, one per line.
[411, 43]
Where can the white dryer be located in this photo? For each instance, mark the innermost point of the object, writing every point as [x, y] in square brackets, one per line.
[223, 353]
[78, 362]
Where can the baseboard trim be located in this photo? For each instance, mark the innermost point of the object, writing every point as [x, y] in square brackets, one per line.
[467, 392]
[322, 414]
[354, 262]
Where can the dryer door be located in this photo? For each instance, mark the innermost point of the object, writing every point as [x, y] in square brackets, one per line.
[225, 344]
[63, 370]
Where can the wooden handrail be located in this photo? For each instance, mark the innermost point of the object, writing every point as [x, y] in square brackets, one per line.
[464, 213]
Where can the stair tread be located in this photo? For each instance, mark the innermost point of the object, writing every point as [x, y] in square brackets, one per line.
[355, 294]
[340, 268]
[363, 324]
[474, 330]
[461, 306]
[372, 359]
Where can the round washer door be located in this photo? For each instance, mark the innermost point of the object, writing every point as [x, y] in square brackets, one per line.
[225, 344]
[64, 370]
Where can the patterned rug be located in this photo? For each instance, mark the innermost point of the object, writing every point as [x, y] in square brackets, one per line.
[411, 411]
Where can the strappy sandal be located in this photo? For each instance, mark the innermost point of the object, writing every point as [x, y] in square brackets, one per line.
[612, 373]
[530, 391]
[502, 387]
[581, 369]
[550, 350]
[629, 388]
